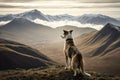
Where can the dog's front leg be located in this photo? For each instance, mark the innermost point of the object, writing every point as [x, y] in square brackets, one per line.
[69, 64]
[66, 57]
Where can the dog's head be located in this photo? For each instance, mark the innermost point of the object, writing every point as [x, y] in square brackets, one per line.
[67, 34]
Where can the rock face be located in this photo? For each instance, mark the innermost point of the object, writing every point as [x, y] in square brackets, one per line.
[15, 55]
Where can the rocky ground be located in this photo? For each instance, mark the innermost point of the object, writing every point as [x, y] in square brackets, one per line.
[51, 73]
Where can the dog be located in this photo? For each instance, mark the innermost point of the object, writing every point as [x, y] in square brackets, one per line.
[74, 59]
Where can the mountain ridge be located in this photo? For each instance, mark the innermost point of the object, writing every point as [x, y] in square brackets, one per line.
[98, 19]
[15, 55]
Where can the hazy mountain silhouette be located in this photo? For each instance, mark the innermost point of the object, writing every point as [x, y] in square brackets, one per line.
[61, 17]
[23, 29]
[97, 19]
[26, 31]
[6, 17]
[77, 30]
[33, 14]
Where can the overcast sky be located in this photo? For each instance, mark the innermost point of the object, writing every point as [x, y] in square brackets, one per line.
[55, 7]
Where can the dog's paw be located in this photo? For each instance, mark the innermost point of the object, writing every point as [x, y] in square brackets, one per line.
[69, 67]
[74, 74]
[66, 68]
[87, 74]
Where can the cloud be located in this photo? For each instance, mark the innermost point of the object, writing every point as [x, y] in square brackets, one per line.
[86, 1]
[17, 5]
[3, 22]
[97, 5]
[7, 6]
[16, 0]
[55, 7]
[59, 5]
[55, 24]
[99, 1]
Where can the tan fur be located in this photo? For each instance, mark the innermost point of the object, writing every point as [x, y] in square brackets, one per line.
[73, 57]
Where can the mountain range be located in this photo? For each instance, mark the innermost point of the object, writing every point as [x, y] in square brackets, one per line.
[86, 18]
[28, 32]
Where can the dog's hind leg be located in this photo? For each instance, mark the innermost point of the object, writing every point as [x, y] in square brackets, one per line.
[74, 67]
[82, 66]
[75, 72]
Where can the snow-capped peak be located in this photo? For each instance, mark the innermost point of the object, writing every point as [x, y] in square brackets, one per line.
[35, 11]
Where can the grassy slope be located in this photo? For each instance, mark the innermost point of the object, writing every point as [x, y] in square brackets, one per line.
[15, 55]
[51, 73]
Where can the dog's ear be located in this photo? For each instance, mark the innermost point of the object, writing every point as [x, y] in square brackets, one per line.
[65, 31]
[71, 31]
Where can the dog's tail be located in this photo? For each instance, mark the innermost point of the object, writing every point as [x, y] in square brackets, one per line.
[83, 70]
[87, 74]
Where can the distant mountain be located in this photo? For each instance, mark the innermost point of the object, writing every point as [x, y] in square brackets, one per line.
[118, 19]
[97, 19]
[61, 17]
[26, 31]
[77, 30]
[7, 17]
[14, 55]
[32, 15]
[19, 25]
[86, 18]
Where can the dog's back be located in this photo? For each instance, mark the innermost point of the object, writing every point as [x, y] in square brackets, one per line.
[76, 61]
[73, 53]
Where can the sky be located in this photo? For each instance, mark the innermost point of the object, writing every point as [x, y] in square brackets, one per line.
[56, 7]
